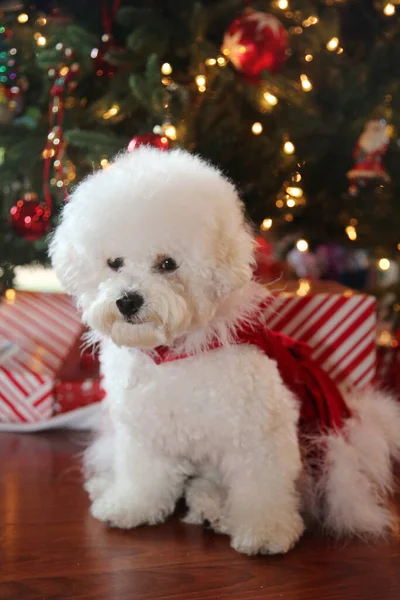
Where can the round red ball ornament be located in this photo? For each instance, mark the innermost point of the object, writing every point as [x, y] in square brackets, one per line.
[149, 139]
[255, 42]
[29, 218]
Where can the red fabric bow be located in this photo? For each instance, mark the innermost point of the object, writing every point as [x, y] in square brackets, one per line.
[323, 407]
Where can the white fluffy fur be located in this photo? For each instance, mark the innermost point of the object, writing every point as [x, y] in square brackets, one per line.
[219, 427]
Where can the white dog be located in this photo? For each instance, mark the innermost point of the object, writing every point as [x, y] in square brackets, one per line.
[157, 254]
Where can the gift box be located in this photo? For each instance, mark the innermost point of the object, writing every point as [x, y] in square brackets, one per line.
[38, 331]
[338, 324]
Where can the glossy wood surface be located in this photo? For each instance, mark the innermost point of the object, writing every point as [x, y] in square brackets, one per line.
[52, 549]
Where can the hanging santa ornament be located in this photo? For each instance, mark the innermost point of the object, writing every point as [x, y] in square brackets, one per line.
[29, 218]
[368, 153]
[255, 42]
[149, 139]
[102, 65]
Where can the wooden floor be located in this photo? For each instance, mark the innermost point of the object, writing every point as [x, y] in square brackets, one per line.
[51, 548]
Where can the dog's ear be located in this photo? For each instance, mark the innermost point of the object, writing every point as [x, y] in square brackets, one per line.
[64, 253]
[235, 253]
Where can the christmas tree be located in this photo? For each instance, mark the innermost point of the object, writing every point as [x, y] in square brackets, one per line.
[276, 93]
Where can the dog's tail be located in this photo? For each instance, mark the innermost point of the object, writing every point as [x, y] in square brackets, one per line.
[350, 492]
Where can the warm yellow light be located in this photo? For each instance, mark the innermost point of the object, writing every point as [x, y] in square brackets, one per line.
[42, 21]
[256, 128]
[309, 57]
[305, 83]
[389, 9]
[200, 80]
[295, 191]
[296, 177]
[288, 147]
[384, 264]
[302, 245]
[279, 203]
[221, 61]
[111, 112]
[313, 20]
[202, 88]
[333, 44]
[48, 153]
[210, 62]
[266, 224]
[304, 287]
[41, 41]
[289, 218]
[166, 69]
[104, 162]
[339, 50]
[170, 132]
[271, 99]
[290, 203]
[10, 295]
[385, 337]
[64, 71]
[60, 183]
[398, 246]
[283, 4]
[225, 51]
[351, 232]
[22, 18]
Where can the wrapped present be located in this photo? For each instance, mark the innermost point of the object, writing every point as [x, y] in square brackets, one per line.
[37, 332]
[336, 322]
[78, 382]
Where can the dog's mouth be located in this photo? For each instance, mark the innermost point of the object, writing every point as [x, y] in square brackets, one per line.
[136, 320]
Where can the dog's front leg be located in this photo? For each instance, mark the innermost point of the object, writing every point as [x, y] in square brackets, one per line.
[263, 503]
[144, 489]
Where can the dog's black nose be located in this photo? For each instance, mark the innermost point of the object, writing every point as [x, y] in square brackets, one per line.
[130, 303]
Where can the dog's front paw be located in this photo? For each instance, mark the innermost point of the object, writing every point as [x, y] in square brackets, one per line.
[270, 539]
[97, 485]
[118, 508]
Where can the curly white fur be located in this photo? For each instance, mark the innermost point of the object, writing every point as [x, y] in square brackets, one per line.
[220, 426]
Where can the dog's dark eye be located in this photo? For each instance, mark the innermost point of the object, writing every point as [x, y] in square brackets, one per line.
[167, 265]
[115, 263]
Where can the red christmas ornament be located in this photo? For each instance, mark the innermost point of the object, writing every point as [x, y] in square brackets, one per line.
[102, 66]
[29, 218]
[255, 42]
[149, 139]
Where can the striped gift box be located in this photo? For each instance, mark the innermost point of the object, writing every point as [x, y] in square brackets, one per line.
[337, 323]
[36, 333]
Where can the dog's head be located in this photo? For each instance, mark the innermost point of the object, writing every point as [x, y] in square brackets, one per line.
[151, 246]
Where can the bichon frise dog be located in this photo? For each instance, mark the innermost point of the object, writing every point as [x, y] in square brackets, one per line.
[157, 253]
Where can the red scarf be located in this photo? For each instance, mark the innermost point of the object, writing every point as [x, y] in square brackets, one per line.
[323, 407]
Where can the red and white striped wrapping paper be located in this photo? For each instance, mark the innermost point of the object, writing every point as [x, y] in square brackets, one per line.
[337, 323]
[41, 328]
